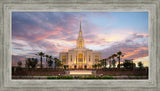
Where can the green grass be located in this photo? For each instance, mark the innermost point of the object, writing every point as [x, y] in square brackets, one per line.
[107, 77]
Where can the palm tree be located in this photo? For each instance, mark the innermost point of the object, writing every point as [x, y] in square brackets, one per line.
[33, 62]
[110, 61]
[58, 63]
[50, 62]
[119, 55]
[106, 62]
[113, 60]
[41, 54]
[103, 62]
[28, 61]
[66, 66]
[99, 65]
[94, 66]
[55, 62]
[46, 60]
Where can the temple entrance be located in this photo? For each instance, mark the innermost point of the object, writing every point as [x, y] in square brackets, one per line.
[80, 72]
[80, 67]
[85, 67]
[75, 67]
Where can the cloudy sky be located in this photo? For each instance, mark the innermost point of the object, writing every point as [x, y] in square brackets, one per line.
[54, 32]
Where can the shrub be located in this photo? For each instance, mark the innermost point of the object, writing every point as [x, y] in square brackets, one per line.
[107, 77]
[52, 78]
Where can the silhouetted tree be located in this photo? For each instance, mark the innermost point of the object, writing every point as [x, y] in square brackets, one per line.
[128, 64]
[50, 62]
[57, 63]
[19, 63]
[66, 66]
[103, 62]
[119, 55]
[41, 54]
[46, 60]
[31, 62]
[113, 60]
[110, 61]
[99, 65]
[28, 61]
[94, 66]
[140, 64]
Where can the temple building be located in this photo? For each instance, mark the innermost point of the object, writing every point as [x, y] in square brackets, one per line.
[80, 57]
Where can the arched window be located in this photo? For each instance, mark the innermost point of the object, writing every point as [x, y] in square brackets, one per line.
[89, 58]
[71, 58]
[76, 59]
[80, 44]
[84, 60]
[96, 58]
[63, 59]
[80, 57]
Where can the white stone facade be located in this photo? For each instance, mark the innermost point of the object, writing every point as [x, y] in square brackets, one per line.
[80, 57]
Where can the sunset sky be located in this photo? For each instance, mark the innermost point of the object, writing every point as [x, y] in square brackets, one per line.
[54, 32]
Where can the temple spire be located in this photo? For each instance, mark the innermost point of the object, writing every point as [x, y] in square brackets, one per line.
[80, 40]
[80, 30]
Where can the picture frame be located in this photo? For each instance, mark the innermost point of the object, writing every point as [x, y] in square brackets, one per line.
[7, 6]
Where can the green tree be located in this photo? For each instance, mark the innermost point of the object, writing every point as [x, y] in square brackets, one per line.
[50, 62]
[33, 62]
[99, 65]
[46, 60]
[41, 54]
[19, 63]
[66, 67]
[113, 60]
[103, 62]
[106, 59]
[57, 63]
[94, 66]
[128, 64]
[28, 61]
[140, 64]
[119, 55]
[110, 61]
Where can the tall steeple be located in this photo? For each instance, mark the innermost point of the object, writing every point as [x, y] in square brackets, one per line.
[80, 40]
[80, 30]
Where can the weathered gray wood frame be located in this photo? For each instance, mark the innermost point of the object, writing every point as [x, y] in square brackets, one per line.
[7, 6]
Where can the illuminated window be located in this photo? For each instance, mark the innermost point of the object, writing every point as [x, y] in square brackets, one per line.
[63, 58]
[71, 58]
[76, 59]
[80, 44]
[80, 57]
[84, 60]
[96, 58]
[89, 58]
